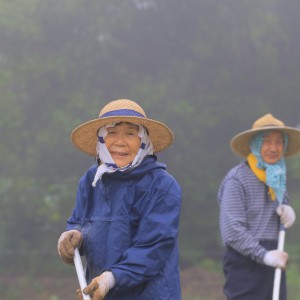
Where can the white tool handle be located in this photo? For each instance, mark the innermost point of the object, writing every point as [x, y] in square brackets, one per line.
[277, 277]
[80, 273]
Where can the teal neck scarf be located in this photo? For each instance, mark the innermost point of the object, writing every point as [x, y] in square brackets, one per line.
[275, 173]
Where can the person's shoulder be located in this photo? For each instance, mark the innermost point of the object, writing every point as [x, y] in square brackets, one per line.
[160, 170]
[239, 172]
[156, 174]
[92, 169]
[166, 181]
[236, 175]
[89, 174]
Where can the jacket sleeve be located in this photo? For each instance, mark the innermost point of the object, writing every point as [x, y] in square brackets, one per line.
[84, 191]
[233, 221]
[156, 238]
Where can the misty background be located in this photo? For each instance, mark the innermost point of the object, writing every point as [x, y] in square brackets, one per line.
[206, 68]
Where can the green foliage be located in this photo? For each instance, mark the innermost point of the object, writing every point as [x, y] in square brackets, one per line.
[293, 281]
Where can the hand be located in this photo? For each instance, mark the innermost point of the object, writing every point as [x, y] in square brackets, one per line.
[67, 242]
[79, 294]
[100, 286]
[287, 215]
[276, 259]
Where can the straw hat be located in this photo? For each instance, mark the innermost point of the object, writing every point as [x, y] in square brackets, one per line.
[240, 144]
[84, 136]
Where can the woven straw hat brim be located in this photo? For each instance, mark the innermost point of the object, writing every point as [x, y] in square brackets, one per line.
[84, 137]
[240, 144]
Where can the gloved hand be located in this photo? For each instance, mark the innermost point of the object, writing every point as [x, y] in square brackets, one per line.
[276, 259]
[99, 286]
[79, 294]
[67, 242]
[287, 215]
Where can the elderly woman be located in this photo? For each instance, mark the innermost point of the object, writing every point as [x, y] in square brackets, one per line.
[127, 210]
[253, 202]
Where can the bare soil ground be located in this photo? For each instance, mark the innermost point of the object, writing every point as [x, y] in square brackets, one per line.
[197, 284]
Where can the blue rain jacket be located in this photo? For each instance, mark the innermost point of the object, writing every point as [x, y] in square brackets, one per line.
[129, 223]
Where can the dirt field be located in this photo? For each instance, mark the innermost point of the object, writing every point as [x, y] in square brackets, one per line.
[197, 284]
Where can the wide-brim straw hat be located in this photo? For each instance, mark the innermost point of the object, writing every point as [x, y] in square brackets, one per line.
[240, 144]
[84, 136]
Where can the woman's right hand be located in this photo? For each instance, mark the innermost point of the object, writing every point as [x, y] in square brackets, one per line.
[79, 294]
[68, 241]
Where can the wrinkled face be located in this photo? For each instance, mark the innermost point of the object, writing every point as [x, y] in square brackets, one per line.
[272, 147]
[123, 143]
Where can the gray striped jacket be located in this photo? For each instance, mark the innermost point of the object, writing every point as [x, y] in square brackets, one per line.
[247, 213]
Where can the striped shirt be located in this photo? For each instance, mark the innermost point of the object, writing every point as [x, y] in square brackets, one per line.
[247, 213]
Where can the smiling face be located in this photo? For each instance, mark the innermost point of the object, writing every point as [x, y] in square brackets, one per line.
[123, 143]
[272, 147]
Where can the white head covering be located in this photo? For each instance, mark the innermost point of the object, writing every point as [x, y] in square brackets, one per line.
[108, 165]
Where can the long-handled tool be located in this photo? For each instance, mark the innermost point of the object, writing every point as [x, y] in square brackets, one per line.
[80, 273]
[277, 277]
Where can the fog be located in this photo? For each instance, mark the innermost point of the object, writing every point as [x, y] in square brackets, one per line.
[208, 69]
